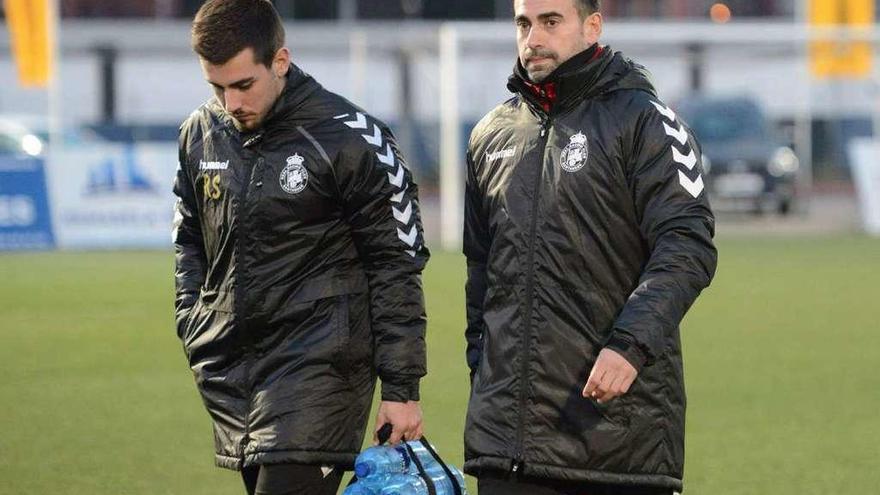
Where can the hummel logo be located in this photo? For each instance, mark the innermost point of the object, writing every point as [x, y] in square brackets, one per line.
[203, 165]
[505, 153]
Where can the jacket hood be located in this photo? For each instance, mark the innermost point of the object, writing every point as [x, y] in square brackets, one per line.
[587, 75]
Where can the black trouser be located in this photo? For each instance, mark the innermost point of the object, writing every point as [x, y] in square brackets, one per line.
[290, 479]
[503, 484]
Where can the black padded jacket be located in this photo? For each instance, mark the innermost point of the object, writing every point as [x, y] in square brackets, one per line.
[299, 251]
[585, 227]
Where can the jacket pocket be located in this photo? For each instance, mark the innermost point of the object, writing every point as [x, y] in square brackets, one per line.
[353, 336]
[184, 319]
[197, 313]
[617, 411]
[342, 331]
[208, 316]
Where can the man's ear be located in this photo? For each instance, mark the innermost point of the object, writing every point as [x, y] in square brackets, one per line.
[593, 28]
[281, 62]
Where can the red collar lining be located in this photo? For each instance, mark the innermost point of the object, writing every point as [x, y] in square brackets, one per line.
[547, 92]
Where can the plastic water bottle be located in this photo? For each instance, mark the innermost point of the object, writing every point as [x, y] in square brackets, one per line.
[390, 471]
[435, 471]
[459, 478]
[425, 457]
[368, 486]
[404, 484]
[379, 461]
[442, 483]
[361, 488]
[391, 460]
[414, 485]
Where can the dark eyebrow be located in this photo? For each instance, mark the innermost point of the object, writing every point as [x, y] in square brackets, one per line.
[237, 84]
[548, 15]
[541, 17]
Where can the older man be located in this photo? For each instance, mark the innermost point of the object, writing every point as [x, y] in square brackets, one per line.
[588, 236]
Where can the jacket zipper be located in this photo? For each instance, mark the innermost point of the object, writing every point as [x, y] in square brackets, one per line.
[527, 317]
[242, 229]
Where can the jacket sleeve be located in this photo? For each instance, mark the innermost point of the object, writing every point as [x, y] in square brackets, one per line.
[382, 209]
[677, 225]
[476, 250]
[190, 260]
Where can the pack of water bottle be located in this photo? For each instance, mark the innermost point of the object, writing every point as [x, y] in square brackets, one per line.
[387, 470]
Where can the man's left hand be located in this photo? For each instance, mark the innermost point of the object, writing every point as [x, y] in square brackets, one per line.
[611, 377]
[405, 418]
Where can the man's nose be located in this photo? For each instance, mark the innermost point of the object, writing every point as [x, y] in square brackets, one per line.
[535, 39]
[232, 100]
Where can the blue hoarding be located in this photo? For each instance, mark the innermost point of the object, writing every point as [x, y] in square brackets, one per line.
[25, 221]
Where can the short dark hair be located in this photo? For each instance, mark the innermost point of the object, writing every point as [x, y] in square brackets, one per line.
[223, 28]
[587, 8]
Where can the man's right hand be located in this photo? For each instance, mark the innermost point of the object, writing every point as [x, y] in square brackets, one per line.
[405, 419]
[611, 377]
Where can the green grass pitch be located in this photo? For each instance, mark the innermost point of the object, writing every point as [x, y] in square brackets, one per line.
[781, 360]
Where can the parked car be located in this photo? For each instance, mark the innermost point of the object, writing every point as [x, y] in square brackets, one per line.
[745, 161]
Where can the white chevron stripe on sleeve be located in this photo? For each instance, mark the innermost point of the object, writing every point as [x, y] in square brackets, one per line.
[360, 123]
[680, 135]
[408, 238]
[694, 187]
[340, 116]
[689, 160]
[398, 197]
[396, 179]
[403, 216]
[665, 111]
[376, 138]
[388, 157]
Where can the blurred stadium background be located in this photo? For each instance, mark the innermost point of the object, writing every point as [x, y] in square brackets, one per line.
[781, 351]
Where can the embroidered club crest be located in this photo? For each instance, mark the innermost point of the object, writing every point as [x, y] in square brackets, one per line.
[294, 178]
[574, 156]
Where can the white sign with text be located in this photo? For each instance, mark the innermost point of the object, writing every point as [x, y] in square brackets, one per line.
[112, 195]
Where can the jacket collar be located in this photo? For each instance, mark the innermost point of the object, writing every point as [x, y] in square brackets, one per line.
[575, 78]
[297, 89]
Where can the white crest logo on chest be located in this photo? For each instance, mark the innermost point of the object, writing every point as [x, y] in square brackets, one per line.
[575, 155]
[294, 178]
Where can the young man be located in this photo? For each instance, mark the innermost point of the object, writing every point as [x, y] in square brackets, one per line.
[588, 236]
[299, 251]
